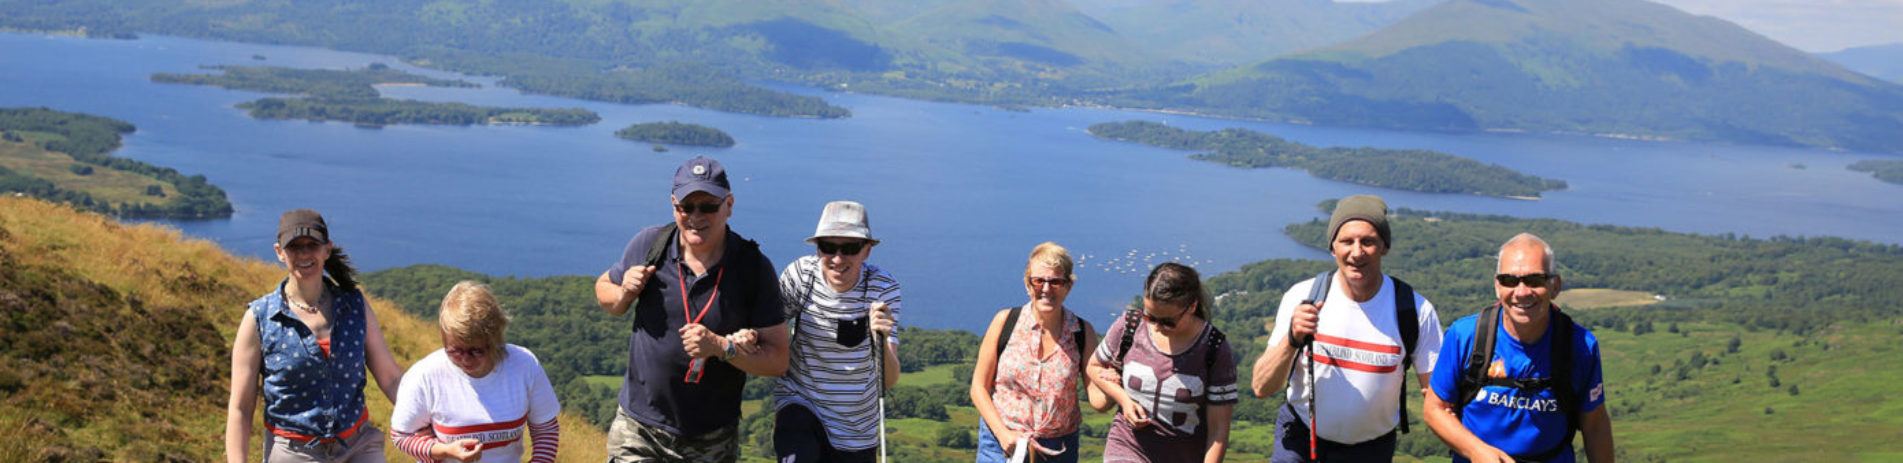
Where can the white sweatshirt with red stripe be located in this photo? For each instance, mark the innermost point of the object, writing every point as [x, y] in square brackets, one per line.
[438, 402]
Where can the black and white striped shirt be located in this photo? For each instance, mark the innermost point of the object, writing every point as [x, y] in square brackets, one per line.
[830, 379]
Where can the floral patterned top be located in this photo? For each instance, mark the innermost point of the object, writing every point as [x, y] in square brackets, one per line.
[1038, 396]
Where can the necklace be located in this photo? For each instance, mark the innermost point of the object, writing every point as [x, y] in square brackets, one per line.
[306, 306]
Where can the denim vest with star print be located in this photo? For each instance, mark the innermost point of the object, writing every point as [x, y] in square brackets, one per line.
[305, 391]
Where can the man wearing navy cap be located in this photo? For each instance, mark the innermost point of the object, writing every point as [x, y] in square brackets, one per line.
[707, 313]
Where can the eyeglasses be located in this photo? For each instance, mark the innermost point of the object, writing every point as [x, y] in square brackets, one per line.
[1533, 280]
[704, 208]
[467, 352]
[840, 249]
[1058, 282]
[1168, 322]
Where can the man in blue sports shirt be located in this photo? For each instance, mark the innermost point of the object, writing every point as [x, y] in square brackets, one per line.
[1512, 402]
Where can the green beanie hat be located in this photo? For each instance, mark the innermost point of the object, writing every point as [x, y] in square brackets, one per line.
[1361, 207]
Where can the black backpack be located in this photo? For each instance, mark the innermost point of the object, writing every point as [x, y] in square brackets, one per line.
[1473, 375]
[1406, 317]
[664, 240]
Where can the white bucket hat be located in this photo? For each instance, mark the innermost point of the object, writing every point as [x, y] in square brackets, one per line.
[844, 219]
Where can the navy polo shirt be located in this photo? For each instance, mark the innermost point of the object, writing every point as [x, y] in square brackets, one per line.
[653, 390]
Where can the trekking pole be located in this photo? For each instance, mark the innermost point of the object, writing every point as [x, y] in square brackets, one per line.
[878, 355]
[1314, 452]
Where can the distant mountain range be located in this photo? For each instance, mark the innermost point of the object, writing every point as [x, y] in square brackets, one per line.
[1626, 68]
[1237, 32]
[1880, 61]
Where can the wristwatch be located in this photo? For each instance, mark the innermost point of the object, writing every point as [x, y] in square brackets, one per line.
[726, 351]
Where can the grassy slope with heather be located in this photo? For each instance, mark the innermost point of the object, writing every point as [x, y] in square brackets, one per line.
[117, 343]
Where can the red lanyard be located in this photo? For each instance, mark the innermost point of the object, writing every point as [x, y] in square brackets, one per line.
[686, 304]
[697, 367]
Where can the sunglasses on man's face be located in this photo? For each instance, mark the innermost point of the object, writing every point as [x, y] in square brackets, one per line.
[840, 249]
[1532, 280]
[704, 208]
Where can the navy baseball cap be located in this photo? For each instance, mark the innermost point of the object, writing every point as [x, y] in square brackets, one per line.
[700, 174]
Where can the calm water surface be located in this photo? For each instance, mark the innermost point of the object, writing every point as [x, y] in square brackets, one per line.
[958, 193]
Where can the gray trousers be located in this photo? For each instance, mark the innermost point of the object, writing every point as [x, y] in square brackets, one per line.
[366, 446]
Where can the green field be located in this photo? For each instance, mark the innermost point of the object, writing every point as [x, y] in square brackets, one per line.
[104, 184]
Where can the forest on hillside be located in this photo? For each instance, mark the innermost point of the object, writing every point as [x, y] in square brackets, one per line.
[1413, 170]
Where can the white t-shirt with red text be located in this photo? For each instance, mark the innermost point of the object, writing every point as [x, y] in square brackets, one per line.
[1357, 360]
[494, 409]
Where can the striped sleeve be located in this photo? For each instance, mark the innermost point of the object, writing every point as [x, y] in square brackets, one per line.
[547, 437]
[415, 444]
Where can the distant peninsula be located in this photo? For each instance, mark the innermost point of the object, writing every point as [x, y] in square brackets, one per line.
[64, 157]
[676, 133]
[1888, 170]
[1414, 170]
[351, 96]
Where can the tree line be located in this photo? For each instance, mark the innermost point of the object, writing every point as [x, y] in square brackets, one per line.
[676, 133]
[351, 96]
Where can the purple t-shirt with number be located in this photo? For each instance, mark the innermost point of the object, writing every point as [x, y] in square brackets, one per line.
[1175, 389]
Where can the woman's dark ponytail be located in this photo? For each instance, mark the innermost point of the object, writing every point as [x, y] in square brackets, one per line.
[340, 270]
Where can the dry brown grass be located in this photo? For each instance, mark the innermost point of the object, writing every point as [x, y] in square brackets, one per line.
[64, 396]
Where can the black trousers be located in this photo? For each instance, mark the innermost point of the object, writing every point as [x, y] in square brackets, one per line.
[799, 437]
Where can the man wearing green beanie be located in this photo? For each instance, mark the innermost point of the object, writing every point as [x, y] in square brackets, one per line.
[1349, 336]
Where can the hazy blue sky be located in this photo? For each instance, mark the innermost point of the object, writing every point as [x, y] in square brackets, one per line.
[1809, 25]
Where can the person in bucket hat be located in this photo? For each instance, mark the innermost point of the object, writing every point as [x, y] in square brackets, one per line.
[843, 313]
[706, 314]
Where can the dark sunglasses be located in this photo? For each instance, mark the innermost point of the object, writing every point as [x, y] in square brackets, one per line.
[1168, 322]
[840, 249]
[472, 352]
[303, 247]
[1059, 281]
[1533, 280]
[704, 208]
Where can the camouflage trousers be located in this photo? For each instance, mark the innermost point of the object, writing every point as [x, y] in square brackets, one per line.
[630, 441]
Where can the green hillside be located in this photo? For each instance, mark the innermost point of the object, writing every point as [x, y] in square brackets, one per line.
[1235, 32]
[1626, 68]
[67, 157]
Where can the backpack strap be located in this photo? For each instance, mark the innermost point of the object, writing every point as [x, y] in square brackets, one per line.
[1083, 355]
[1130, 318]
[657, 250]
[1408, 318]
[1563, 387]
[1216, 339]
[1010, 325]
[657, 254]
[1473, 373]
